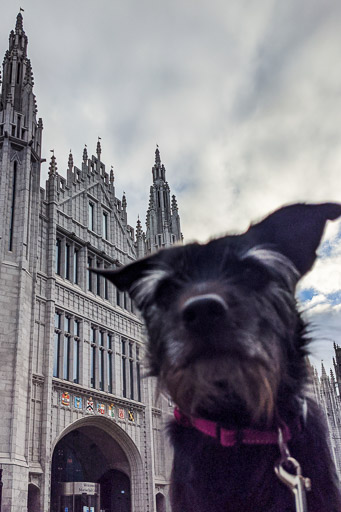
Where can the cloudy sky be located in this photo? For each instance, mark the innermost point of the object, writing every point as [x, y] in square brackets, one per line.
[243, 98]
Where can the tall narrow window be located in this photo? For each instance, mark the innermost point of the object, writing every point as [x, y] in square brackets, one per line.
[75, 266]
[66, 356]
[58, 254]
[91, 216]
[101, 361]
[106, 289]
[98, 281]
[105, 225]
[76, 333]
[124, 368]
[131, 371]
[11, 227]
[67, 261]
[109, 362]
[93, 358]
[56, 353]
[89, 275]
[118, 298]
[138, 374]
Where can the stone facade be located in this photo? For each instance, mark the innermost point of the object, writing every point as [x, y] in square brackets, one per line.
[71, 345]
[326, 391]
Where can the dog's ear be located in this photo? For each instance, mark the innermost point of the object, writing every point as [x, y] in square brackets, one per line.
[123, 277]
[295, 231]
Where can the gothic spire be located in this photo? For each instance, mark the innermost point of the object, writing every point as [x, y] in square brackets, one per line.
[157, 155]
[70, 161]
[17, 69]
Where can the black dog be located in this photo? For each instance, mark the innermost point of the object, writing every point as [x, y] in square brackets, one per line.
[228, 344]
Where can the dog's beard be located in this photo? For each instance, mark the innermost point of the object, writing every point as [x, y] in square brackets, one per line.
[217, 386]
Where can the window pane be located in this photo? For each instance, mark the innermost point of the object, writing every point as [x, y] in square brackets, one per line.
[91, 216]
[131, 365]
[58, 248]
[93, 366]
[101, 369]
[67, 261]
[56, 354]
[109, 361]
[67, 324]
[76, 361]
[57, 321]
[105, 225]
[98, 281]
[66, 358]
[124, 369]
[138, 381]
[75, 267]
[109, 341]
[76, 329]
[89, 276]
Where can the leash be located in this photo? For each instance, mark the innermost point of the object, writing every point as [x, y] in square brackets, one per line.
[297, 483]
[287, 468]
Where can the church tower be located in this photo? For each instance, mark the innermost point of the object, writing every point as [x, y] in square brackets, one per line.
[163, 220]
[20, 150]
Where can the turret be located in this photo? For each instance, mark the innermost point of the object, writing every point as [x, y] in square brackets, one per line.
[162, 220]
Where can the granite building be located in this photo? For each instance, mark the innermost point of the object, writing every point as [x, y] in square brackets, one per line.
[80, 430]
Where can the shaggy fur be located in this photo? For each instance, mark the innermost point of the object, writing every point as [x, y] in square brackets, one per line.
[228, 344]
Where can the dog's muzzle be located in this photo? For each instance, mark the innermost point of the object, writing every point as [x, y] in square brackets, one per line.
[202, 312]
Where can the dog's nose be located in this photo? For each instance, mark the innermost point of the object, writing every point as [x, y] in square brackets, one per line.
[201, 312]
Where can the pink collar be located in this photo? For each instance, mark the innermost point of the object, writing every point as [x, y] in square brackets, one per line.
[231, 437]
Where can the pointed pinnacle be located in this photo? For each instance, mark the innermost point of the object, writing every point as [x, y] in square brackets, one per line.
[19, 23]
[70, 161]
[157, 155]
[138, 228]
[98, 148]
[323, 371]
[85, 154]
[53, 165]
[124, 201]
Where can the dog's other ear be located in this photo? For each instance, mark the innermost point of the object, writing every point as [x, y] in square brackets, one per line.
[295, 231]
[123, 277]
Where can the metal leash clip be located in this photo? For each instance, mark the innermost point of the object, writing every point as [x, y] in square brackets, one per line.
[297, 483]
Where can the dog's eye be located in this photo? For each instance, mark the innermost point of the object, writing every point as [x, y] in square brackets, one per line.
[255, 277]
[165, 292]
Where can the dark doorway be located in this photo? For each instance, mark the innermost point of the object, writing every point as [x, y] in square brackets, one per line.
[33, 499]
[115, 492]
[160, 503]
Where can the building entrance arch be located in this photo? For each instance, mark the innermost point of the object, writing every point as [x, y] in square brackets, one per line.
[95, 467]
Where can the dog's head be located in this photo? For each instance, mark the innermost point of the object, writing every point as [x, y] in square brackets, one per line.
[224, 333]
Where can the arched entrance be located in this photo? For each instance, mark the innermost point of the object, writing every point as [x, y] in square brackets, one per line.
[160, 502]
[33, 498]
[93, 469]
